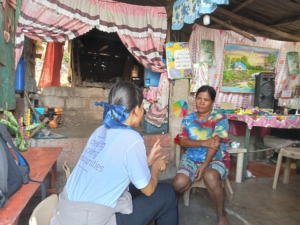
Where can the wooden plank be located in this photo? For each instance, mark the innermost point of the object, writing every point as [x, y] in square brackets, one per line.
[257, 25]
[287, 22]
[229, 26]
[242, 5]
[40, 161]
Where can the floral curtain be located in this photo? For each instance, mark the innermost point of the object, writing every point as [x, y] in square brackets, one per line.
[187, 11]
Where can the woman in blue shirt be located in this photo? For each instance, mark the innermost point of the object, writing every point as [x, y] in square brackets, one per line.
[114, 157]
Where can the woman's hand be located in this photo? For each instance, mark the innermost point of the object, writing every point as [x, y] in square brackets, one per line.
[214, 143]
[154, 153]
[161, 163]
[200, 172]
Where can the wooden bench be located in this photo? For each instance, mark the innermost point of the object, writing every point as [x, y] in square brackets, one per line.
[41, 160]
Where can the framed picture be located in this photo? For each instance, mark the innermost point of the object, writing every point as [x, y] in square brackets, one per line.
[241, 65]
[297, 91]
[293, 62]
[207, 52]
[178, 60]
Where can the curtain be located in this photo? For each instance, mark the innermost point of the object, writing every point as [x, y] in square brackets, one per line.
[62, 20]
[42, 24]
[52, 65]
[221, 38]
[149, 52]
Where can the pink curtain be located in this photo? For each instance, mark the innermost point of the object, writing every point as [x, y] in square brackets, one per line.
[62, 20]
[149, 51]
[43, 24]
[221, 38]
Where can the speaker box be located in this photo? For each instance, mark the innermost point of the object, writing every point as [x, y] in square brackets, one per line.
[264, 90]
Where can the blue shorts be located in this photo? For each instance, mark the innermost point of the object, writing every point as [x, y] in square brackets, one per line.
[189, 167]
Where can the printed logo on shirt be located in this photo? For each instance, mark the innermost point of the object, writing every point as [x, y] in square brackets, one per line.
[88, 160]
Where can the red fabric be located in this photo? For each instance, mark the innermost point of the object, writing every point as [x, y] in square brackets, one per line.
[176, 139]
[238, 128]
[52, 65]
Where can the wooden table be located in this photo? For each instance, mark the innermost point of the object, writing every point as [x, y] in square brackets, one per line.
[41, 160]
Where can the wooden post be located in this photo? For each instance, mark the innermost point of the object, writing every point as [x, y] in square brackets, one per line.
[224, 24]
[254, 24]
[79, 78]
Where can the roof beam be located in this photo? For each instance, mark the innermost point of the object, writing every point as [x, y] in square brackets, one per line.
[246, 2]
[229, 26]
[286, 22]
[256, 25]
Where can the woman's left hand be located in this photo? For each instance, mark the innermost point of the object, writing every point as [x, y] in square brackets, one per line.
[154, 153]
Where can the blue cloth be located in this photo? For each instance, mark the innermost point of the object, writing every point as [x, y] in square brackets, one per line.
[114, 116]
[161, 206]
[187, 11]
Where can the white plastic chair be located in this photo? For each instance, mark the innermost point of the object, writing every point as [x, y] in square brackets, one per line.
[200, 183]
[43, 212]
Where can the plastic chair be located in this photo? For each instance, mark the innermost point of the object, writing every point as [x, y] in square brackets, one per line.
[43, 212]
[200, 183]
[289, 153]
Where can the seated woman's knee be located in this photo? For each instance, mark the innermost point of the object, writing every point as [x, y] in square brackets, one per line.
[180, 182]
[212, 177]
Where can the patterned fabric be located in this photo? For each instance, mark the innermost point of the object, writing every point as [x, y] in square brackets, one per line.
[158, 112]
[200, 76]
[281, 121]
[62, 20]
[187, 11]
[113, 16]
[215, 125]
[147, 50]
[189, 167]
[282, 81]
[42, 24]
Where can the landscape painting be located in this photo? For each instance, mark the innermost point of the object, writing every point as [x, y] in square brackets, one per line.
[243, 63]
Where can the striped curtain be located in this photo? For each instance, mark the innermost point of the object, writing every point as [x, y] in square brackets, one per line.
[149, 52]
[61, 20]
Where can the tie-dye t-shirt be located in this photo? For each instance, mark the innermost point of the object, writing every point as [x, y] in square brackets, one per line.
[215, 125]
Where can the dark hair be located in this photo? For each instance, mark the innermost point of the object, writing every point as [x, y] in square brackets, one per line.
[126, 94]
[211, 91]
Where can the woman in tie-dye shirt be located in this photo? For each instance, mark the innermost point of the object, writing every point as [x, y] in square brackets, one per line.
[204, 135]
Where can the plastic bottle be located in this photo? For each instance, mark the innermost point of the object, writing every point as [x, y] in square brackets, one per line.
[20, 73]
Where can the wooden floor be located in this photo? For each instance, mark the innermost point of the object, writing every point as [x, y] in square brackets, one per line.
[259, 169]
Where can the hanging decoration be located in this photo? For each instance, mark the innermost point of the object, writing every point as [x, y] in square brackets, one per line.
[180, 108]
[200, 76]
[187, 11]
[178, 60]
[207, 52]
[293, 62]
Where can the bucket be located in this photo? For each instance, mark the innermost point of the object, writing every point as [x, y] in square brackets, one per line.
[19, 76]
[39, 111]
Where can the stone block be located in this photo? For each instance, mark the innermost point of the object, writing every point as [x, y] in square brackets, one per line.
[95, 93]
[51, 101]
[93, 107]
[106, 93]
[77, 103]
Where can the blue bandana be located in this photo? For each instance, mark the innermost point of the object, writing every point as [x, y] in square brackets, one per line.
[114, 116]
